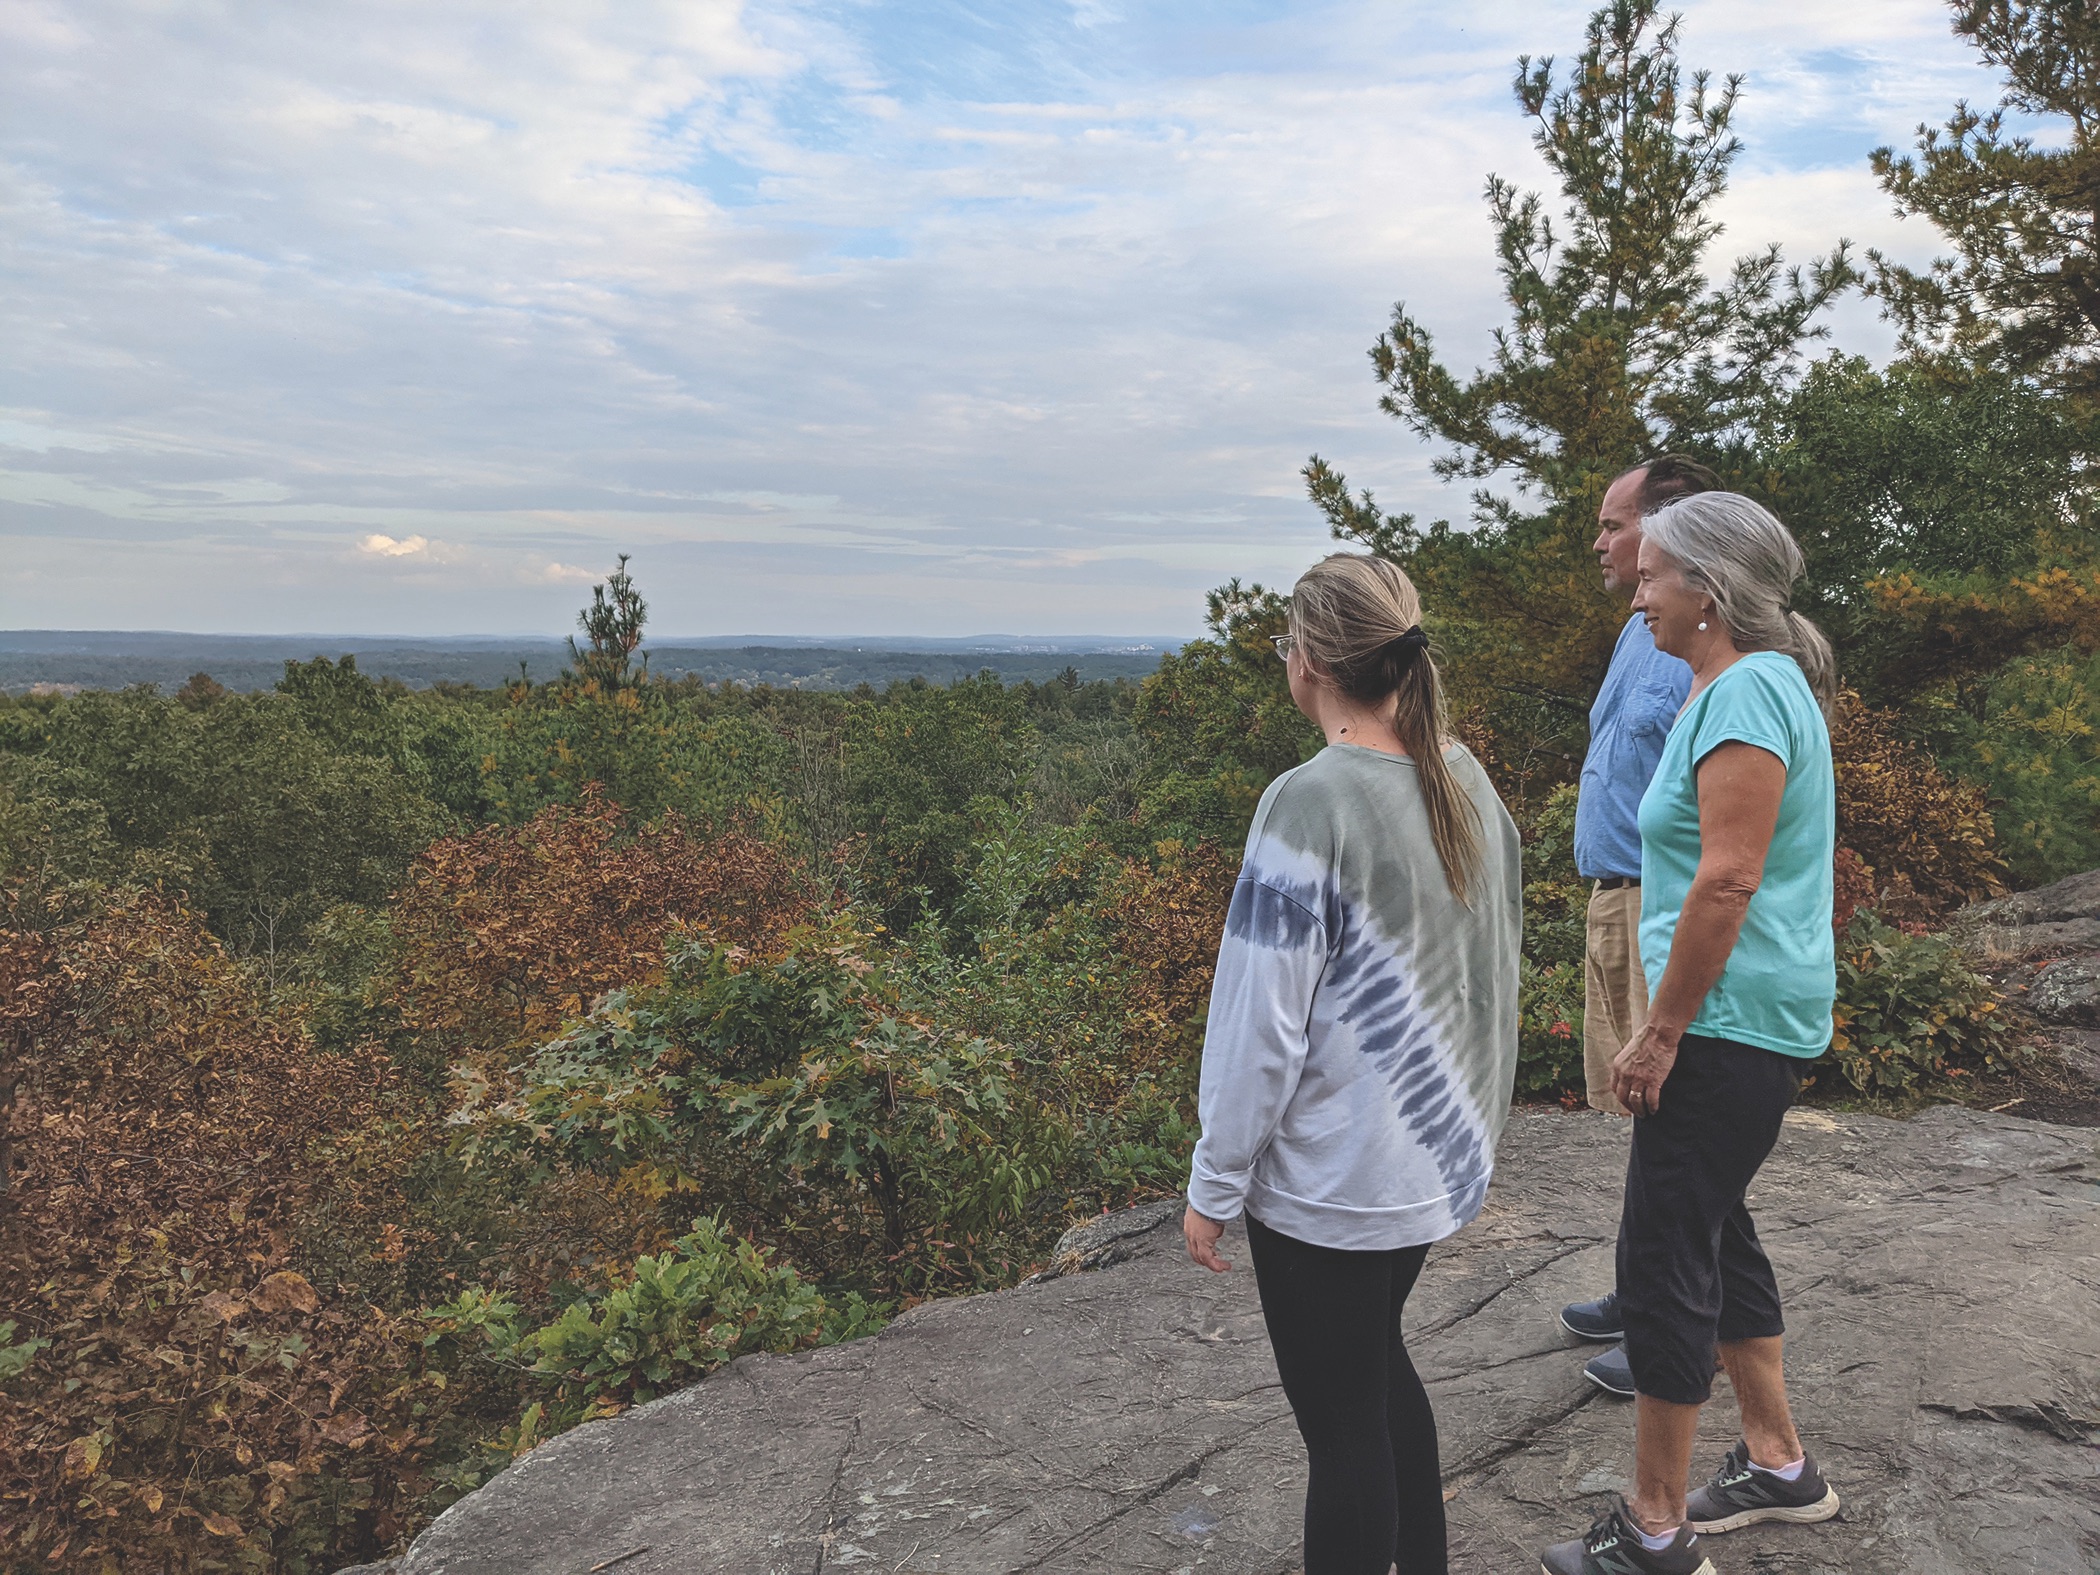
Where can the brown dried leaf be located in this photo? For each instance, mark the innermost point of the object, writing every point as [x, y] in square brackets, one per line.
[222, 1525]
[286, 1291]
[346, 1428]
[223, 1305]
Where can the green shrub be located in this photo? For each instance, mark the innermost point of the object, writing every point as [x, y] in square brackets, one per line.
[2029, 735]
[1550, 978]
[672, 1319]
[1145, 1146]
[680, 1315]
[1549, 1027]
[1909, 1009]
[795, 1081]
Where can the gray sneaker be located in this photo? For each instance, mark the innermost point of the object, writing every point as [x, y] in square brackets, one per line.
[1597, 1320]
[1611, 1372]
[1741, 1495]
[1613, 1547]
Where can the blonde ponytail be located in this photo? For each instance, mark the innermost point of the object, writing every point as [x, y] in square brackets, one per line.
[1360, 618]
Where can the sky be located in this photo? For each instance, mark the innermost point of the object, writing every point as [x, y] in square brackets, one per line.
[922, 318]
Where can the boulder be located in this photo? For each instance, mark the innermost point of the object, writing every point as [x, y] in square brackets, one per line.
[2067, 991]
[2063, 916]
[2042, 949]
[1943, 1350]
[2073, 897]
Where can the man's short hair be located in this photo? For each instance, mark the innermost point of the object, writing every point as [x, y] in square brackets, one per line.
[1669, 477]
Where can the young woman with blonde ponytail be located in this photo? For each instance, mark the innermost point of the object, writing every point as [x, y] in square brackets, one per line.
[1360, 1054]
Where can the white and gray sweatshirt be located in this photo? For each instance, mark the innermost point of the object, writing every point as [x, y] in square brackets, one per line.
[1362, 1042]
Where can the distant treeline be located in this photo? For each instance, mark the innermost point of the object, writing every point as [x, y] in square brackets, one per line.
[248, 664]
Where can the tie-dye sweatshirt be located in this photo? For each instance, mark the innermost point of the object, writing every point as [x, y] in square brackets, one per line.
[1363, 1024]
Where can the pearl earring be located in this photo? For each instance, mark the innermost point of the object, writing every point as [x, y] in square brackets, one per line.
[1702, 623]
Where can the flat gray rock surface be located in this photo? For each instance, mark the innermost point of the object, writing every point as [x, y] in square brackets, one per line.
[1942, 1279]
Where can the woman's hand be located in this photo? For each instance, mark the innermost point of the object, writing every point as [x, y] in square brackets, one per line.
[1638, 1070]
[1202, 1233]
[1740, 786]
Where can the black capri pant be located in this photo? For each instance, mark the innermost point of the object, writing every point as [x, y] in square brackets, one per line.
[1691, 1269]
[1374, 1497]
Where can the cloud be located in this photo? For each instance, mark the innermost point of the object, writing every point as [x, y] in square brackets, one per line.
[891, 317]
[388, 547]
[565, 574]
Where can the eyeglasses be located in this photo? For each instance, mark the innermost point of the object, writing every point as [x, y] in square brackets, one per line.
[1284, 644]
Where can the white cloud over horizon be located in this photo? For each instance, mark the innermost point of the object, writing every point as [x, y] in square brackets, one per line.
[850, 317]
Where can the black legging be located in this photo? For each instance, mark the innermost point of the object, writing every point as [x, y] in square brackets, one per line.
[1374, 1497]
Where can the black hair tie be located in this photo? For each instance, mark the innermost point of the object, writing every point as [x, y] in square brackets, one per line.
[1413, 640]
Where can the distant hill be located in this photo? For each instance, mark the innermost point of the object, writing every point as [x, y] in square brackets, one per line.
[115, 659]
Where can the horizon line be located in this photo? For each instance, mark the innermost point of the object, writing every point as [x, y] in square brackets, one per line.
[552, 639]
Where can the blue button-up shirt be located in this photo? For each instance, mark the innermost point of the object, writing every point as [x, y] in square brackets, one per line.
[1643, 691]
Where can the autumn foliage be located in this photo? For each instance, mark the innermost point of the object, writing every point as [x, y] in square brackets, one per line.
[1925, 838]
[194, 1386]
[504, 932]
[1167, 918]
[191, 1403]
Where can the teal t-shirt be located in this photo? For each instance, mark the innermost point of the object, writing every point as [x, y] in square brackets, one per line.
[1781, 978]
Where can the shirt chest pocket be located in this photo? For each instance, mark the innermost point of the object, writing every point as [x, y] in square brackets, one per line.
[1643, 726]
[1651, 708]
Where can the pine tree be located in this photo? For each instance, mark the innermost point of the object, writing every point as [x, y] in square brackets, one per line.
[613, 623]
[2022, 292]
[1617, 347]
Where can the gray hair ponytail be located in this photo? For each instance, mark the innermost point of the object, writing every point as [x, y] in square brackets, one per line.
[1734, 549]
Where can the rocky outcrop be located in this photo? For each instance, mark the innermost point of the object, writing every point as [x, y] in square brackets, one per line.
[1122, 1413]
[2067, 991]
[2042, 949]
[2050, 919]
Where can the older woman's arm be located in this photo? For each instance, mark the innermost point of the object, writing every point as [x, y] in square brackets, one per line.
[1740, 786]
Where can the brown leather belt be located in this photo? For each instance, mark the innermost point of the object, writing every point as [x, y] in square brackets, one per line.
[1614, 882]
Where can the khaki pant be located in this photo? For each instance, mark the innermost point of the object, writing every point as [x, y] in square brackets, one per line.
[1614, 990]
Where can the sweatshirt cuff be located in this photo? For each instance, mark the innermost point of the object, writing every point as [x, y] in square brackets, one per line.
[1220, 1198]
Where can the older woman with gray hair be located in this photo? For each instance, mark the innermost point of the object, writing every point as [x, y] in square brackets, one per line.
[1738, 833]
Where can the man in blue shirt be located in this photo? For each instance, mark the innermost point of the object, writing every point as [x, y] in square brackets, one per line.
[1643, 691]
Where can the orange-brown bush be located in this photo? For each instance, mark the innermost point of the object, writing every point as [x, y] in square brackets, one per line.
[1167, 918]
[209, 1399]
[1926, 837]
[505, 932]
[199, 1405]
[1852, 888]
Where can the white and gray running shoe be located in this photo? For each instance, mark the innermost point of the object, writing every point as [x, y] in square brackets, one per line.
[1613, 1547]
[1741, 1495]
